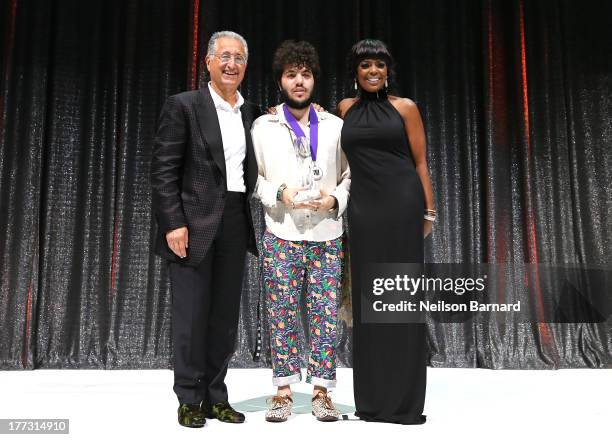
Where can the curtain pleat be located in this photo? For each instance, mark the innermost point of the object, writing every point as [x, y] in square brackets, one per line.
[514, 95]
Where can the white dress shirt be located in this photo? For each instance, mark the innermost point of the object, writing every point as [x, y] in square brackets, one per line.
[234, 141]
[277, 163]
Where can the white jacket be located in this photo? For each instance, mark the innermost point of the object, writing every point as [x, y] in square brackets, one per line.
[277, 163]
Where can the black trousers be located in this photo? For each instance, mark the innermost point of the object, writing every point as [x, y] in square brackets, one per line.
[205, 310]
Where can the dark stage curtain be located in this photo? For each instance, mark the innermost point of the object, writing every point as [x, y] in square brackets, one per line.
[516, 98]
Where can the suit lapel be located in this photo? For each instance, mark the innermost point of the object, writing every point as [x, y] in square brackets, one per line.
[250, 166]
[210, 128]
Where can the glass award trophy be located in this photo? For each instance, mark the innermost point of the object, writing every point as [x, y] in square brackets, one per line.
[310, 173]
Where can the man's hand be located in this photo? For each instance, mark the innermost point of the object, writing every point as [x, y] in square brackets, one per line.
[178, 240]
[288, 195]
[324, 203]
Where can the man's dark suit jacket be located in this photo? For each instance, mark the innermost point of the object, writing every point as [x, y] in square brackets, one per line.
[188, 176]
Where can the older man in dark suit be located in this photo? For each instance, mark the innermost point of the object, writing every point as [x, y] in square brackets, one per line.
[203, 173]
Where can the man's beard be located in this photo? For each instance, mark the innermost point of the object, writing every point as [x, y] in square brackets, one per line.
[298, 105]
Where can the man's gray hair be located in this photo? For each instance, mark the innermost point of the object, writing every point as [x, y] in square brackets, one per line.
[212, 43]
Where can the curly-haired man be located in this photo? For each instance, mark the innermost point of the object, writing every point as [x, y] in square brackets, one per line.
[303, 184]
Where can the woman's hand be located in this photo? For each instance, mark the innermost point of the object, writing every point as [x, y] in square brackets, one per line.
[317, 107]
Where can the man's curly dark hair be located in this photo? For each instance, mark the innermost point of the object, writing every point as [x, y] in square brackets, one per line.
[295, 53]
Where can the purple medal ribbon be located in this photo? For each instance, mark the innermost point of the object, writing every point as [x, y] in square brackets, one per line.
[314, 129]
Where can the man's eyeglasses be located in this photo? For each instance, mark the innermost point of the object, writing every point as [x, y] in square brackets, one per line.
[226, 58]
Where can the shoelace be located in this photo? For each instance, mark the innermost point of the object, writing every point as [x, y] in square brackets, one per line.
[279, 401]
[327, 403]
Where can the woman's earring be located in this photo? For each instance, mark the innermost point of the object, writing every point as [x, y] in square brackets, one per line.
[355, 84]
[386, 83]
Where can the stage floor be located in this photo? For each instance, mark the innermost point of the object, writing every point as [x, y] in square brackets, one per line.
[461, 403]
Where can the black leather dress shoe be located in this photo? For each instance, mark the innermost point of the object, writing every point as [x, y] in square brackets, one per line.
[191, 415]
[223, 412]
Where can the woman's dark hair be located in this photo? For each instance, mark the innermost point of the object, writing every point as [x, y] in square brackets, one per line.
[295, 53]
[369, 49]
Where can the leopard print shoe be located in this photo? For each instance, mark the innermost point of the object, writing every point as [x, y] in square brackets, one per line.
[323, 408]
[280, 409]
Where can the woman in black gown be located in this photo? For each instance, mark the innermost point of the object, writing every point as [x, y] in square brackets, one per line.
[384, 142]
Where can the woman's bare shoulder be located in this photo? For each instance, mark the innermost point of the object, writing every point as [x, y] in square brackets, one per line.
[405, 106]
[402, 102]
[344, 105]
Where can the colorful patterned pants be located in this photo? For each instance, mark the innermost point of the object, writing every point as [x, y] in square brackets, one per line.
[286, 265]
